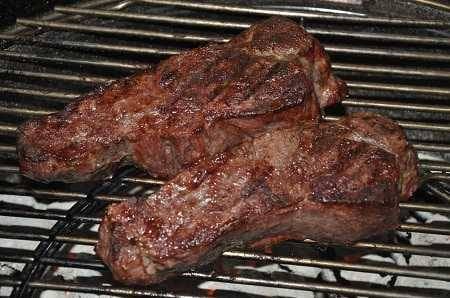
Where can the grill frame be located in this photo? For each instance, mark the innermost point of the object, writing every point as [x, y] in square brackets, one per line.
[102, 193]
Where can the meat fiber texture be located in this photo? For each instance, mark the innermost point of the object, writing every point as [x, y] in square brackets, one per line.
[333, 182]
[192, 105]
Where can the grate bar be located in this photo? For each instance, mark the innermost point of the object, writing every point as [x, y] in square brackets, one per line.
[243, 25]
[365, 51]
[405, 124]
[424, 228]
[26, 57]
[387, 53]
[25, 111]
[308, 15]
[439, 193]
[192, 37]
[392, 70]
[410, 249]
[50, 95]
[436, 273]
[431, 147]
[153, 18]
[437, 208]
[55, 76]
[51, 215]
[405, 227]
[9, 169]
[444, 167]
[8, 129]
[51, 193]
[399, 87]
[350, 84]
[424, 272]
[356, 102]
[314, 286]
[308, 286]
[396, 105]
[416, 72]
[66, 286]
[93, 46]
[7, 148]
[123, 32]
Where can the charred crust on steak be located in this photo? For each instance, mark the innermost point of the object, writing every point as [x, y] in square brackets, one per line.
[204, 101]
[333, 182]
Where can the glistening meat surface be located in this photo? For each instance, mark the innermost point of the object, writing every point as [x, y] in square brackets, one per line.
[192, 105]
[334, 182]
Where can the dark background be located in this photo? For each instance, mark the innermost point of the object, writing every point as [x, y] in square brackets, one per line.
[11, 9]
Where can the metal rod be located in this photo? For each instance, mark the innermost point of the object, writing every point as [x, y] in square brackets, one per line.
[365, 51]
[437, 273]
[416, 72]
[392, 70]
[112, 290]
[387, 53]
[26, 57]
[154, 18]
[25, 111]
[51, 95]
[399, 87]
[55, 76]
[437, 208]
[314, 286]
[124, 32]
[354, 102]
[431, 147]
[424, 272]
[383, 37]
[439, 193]
[296, 14]
[9, 169]
[351, 84]
[404, 124]
[51, 215]
[445, 167]
[51, 193]
[412, 249]
[8, 129]
[424, 228]
[8, 148]
[149, 50]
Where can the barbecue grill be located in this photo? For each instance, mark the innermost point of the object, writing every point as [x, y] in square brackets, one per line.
[395, 57]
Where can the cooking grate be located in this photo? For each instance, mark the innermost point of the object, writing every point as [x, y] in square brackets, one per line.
[395, 66]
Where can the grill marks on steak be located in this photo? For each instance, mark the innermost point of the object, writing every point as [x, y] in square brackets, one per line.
[192, 105]
[334, 182]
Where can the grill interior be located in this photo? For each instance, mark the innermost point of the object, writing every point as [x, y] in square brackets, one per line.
[394, 66]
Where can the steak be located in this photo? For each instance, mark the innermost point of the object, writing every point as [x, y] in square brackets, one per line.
[333, 182]
[192, 105]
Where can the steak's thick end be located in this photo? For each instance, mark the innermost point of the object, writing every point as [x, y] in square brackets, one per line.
[334, 182]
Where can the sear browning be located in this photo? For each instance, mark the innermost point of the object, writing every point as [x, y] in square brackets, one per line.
[334, 182]
[192, 105]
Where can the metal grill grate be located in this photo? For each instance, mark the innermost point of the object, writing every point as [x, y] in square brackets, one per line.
[394, 66]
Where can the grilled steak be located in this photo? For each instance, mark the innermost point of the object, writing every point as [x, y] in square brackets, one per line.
[334, 182]
[191, 105]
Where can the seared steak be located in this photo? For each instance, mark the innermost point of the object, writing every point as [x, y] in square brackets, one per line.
[334, 182]
[191, 105]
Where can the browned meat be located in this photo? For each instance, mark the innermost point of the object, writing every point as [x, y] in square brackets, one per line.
[332, 182]
[191, 105]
